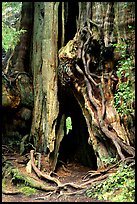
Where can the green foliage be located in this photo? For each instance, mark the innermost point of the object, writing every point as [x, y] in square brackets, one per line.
[119, 187]
[10, 37]
[109, 160]
[125, 94]
[68, 124]
[10, 33]
[11, 7]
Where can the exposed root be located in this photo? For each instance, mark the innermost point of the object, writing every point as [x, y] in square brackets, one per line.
[40, 174]
[49, 178]
[17, 176]
[66, 189]
[91, 181]
[6, 192]
[91, 174]
[101, 175]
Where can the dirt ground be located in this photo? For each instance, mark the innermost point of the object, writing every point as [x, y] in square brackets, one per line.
[42, 198]
[71, 172]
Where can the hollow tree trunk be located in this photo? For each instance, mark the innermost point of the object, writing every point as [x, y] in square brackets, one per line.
[87, 67]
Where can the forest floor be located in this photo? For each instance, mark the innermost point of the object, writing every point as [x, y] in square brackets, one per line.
[69, 173]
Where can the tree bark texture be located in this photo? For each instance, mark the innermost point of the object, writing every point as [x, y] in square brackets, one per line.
[44, 65]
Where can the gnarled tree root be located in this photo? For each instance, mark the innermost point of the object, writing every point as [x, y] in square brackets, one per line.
[50, 178]
[16, 175]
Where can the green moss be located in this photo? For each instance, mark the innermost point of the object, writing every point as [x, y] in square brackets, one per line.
[3, 183]
[28, 190]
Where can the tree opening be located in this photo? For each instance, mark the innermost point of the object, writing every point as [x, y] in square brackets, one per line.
[74, 146]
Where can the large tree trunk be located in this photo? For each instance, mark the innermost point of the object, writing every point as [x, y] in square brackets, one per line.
[44, 63]
[87, 69]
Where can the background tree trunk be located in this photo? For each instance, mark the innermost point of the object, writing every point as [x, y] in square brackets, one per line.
[17, 87]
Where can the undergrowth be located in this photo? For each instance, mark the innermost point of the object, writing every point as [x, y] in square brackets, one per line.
[124, 97]
[119, 187]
